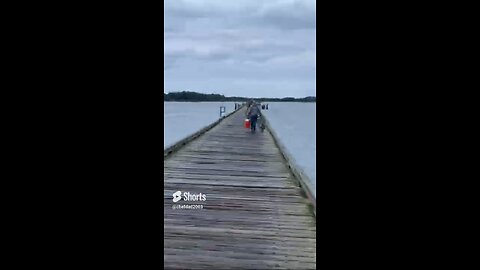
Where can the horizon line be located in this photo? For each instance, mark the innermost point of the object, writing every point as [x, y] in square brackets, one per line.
[234, 95]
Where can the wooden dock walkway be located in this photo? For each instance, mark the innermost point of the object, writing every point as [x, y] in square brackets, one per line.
[255, 215]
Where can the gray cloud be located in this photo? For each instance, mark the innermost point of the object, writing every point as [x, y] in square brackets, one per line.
[289, 14]
[266, 48]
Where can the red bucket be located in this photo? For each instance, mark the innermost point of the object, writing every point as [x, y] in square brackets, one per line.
[247, 123]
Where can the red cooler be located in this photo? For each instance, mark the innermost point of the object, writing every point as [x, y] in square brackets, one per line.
[247, 123]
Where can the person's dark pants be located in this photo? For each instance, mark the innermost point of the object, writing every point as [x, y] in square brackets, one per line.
[253, 122]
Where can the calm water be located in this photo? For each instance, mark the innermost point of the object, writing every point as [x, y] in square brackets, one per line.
[182, 119]
[295, 125]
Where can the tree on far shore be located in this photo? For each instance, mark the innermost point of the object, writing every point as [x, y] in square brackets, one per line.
[198, 97]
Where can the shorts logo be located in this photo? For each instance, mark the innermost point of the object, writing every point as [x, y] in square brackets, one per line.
[177, 196]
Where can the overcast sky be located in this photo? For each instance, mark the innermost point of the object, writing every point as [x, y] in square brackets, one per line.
[253, 48]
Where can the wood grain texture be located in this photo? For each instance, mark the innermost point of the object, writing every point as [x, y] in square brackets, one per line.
[255, 216]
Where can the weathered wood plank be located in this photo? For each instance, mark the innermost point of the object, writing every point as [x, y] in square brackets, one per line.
[227, 158]
[265, 170]
[205, 262]
[225, 183]
[265, 248]
[227, 172]
[213, 251]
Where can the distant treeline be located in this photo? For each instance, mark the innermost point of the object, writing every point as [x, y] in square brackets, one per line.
[194, 96]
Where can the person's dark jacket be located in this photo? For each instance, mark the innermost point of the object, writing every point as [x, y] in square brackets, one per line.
[253, 110]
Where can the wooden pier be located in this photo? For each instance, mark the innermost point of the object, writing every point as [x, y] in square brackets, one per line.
[255, 216]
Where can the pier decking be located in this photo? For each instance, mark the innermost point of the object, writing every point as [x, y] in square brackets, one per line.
[255, 215]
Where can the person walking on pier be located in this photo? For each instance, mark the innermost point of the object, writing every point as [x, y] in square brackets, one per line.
[253, 112]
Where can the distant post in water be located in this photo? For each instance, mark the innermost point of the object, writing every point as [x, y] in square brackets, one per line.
[222, 111]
